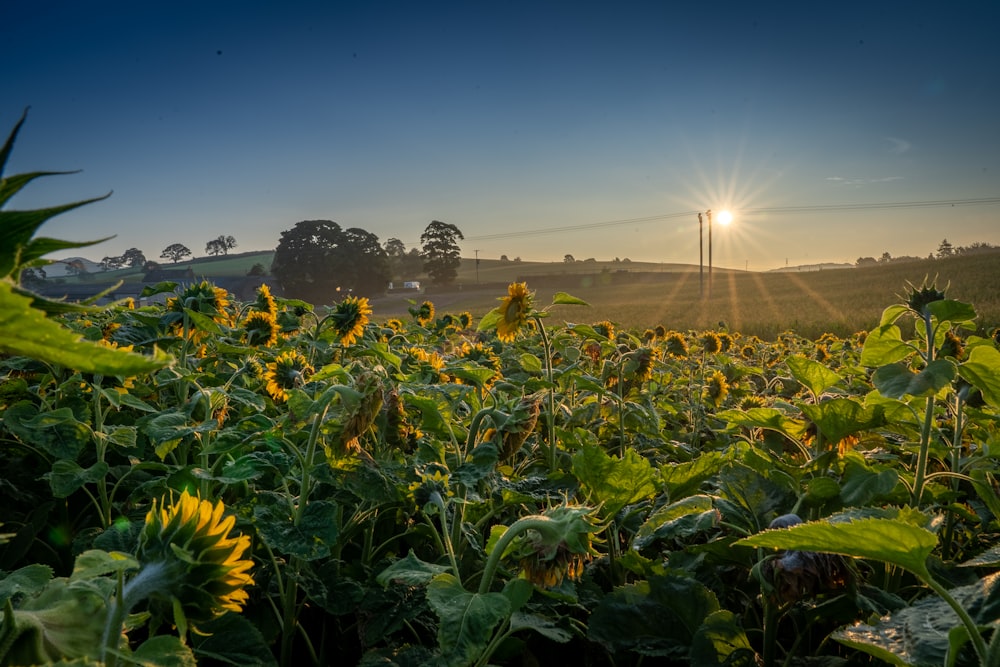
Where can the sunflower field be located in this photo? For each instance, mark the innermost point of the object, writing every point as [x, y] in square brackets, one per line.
[203, 481]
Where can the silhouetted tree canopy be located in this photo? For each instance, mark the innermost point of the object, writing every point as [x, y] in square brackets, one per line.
[175, 252]
[441, 252]
[316, 257]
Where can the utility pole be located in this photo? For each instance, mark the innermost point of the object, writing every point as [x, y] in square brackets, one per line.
[477, 266]
[701, 256]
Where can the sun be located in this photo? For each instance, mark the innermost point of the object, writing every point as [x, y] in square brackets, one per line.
[725, 217]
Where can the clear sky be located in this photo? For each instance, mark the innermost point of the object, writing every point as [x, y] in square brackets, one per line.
[538, 128]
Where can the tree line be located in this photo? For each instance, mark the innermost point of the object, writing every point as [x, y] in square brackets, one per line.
[945, 249]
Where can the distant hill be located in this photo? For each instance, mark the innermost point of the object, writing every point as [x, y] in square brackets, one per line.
[59, 268]
[812, 267]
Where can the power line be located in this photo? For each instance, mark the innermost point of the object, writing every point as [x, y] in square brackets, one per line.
[982, 201]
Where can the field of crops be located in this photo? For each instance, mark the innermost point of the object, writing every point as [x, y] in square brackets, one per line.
[298, 486]
[204, 481]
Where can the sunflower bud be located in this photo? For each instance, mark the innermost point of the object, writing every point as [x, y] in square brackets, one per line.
[918, 297]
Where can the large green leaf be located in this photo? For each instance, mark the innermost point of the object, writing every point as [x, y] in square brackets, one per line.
[889, 540]
[614, 482]
[656, 617]
[813, 375]
[232, 639]
[467, 620]
[563, 299]
[28, 580]
[884, 345]
[310, 539]
[948, 310]
[721, 641]
[26, 331]
[684, 518]
[410, 571]
[919, 635]
[56, 432]
[769, 418]
[67, 476]
[897, 381]
[982, 370]
[838, 418]
[164, 651]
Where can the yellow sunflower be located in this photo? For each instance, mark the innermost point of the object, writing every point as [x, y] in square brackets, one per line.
[717, 388]
[265, 302]
[514, 311]
[710, 342]
[424, 314]
[288, 371]
[350, 317]
[260, 328]
[185, 548]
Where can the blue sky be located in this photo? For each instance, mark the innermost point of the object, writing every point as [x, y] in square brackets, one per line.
[609, 122]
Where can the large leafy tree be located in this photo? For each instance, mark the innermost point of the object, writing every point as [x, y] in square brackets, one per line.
[441, 252]
[175, 252]
[316, 257]
[221, 245]
[133, 257]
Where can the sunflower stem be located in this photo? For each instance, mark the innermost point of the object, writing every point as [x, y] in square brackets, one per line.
[547, 348]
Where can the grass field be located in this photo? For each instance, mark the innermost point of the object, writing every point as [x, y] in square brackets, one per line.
[839, 301]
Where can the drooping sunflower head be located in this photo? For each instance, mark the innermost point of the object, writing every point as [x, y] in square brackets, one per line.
[953, 346]
[350, 317]
[639, 362]
[605, 328]
[518, 425]
[199, 566]
[260, 328]
[515, 308]
[717, 388]
[289, 370]
[557, 546]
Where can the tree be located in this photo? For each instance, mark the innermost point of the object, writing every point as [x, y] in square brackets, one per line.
[111, 263]
[133, 258]
[395, 248]
[441, 252]
[885, 258]
[569, 259]
[503, 258]
[257, 269]
[316, 258]
[175, 252]
[866, 261]
[220, 246]
[945, 249]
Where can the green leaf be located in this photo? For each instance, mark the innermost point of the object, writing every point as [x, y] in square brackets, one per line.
[862, 484]
[889, 540]
[721, 641]
[656, 617]
[27, 580]
[410, 571]
[684, 518]
[531, 363]
[563, 299]
[884, 345]
[232, 639]
[467, 620]
[490, 320]
[26, 331]
[769, 418]
[948, 310]
[683, 479]
[540, 624]
[310, 539]
[67, 476]
[164, 651]
[838, 418]
[897, 381]
[982, 370]
[921, 634]
[813, 375]
[614, 482]
[97, 563]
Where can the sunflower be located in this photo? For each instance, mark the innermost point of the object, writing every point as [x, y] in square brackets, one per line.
[710, 342]
[265, 302]
[605, 328]
[350, 317]
[424, 315]
[260, 328]
[676, 345]
[426, 366]
[204, 298]
[556, 546]
[514, 311]
[190, 561]
[466, 319]
[288, 371]
[717, 388]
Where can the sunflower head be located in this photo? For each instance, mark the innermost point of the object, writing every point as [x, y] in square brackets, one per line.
[514, 310]
[518, 425]
[605, 328]
[197, 566]
[264, 301]
[676, 345]
[953, 346]
[423, 314]
[204, 298]
[289, 370]
[716, 389]
[260, 328]
[350, 317]
[710, 342]
[465, 319]
[557, 545]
